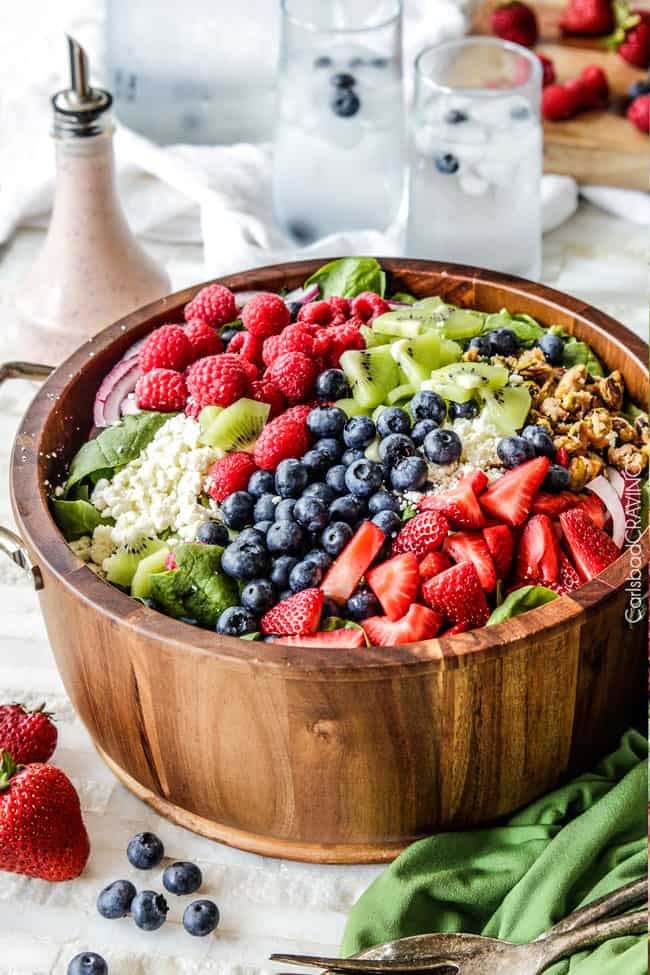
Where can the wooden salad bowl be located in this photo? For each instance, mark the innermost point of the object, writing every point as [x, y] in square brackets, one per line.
[347, 755]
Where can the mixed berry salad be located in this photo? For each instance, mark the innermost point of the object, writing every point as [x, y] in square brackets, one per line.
[334, 467]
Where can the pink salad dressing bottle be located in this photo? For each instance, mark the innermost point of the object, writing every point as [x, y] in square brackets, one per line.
[91, 269]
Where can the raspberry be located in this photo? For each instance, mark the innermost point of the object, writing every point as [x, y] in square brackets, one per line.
[166, 348]
[341, 338]
[368, 305]
[163, 390]
[639, 113]
[341, 308]
[265, 314]
[217, 380]
[229, 474]
[214, 304]
[294, 338]
[286, 436]
[265, 391]
[316, 313]
[247, 346]
[560, 102]
[203, 339]
[294, 374]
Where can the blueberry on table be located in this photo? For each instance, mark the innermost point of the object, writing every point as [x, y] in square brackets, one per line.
[343, 80]
[363, 478]
[284, 510]
[463, 411]
[332, 385]
[326, 421]
[335, 537]
[182, 878]
[389, 522]
[359, 431]
[382, 501]
[149, 910]
[305, 575]
[335, 479]
[311, 514]
[201, 918]
[237, 510]
[345, 103]
[446, 164]
[236, 621]
[347, 508]
[395, 447]
[427, 405]
[556, 480]
[540, 439]
[514, 450]
[454, 117]
[257, 596]
[290, 478]
[284, 538]
[281, 570]
[324, 492]
[553, 348]
[213, 533]
[87, 963]
[362, 604]
[503, 342]
[410, 474]
[114, 901]
[264, 509]
[482, 345]
[393, 420]
[145, 851]
[261, 482]
[421, 429]
[246, 559]
[442, 446]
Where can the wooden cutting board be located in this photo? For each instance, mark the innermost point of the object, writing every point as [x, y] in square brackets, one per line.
[599, 147]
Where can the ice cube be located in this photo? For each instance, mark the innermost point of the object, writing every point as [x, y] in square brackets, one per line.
[471, 182]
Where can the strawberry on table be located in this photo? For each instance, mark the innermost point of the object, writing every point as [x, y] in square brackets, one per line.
[538, 552]
[420, 623]
[343, 576]
[29, 735]
[295, 616]
[548, 70]
[595, 86]
[457, 594]
[471, 547]
[346, 638]
[515, 22]
[498, 539]
[423, 534]
[639, 113]
[561, 101]
[631, 37]
[509, 499]
[395, 583]
[592, 17]
[41, 830]
[591, 549]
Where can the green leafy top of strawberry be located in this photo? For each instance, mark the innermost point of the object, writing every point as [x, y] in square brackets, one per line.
[8, 769]
[625, 19]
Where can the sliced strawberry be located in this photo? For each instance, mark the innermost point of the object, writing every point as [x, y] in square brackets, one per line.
[553, 504]
[510, 497]
[477, 480]
[472, 547]
[458, 594]
[562, 457]
[538, 552]
[459, 505]
[433, 563]
[345, 638]
[395, 584]
[420, 623]
[569, 579]
[344, 574]
[498, 539]
[463, 627]
[423, 534]
[591, 549]
[594, 507]
[297, 615]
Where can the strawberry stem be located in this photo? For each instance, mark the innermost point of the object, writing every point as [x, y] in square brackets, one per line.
[8, 768]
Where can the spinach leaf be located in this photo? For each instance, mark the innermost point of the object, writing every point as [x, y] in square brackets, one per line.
[75, 518]
[348, 277]
[336, 623]
[576, 352]
[197, 589]
[520, 601]
[115, 446]
[527, 330]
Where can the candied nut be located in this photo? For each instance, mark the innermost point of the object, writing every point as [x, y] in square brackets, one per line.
[532, 365]
[612, 390]
[583, 469]
[572, 445]
[628, 458]
[580, 431]
[577, 401]
[573, 379]
[641, 427]
[625, 432]
[598, 424]
[553, 409]
[535, 418]
[471, 354]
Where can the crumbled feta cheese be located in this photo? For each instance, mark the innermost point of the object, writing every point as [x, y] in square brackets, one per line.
[159, 490]
[102, 544]
[479, 439]
[82, 548]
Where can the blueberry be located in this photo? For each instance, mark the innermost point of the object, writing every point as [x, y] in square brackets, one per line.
[331, 448]
[284, 510]
[446, 163]
[514, 450]
[320, 557]
[321, 491]
[553, 348]
[335, 478]
[323, 61]
[236, 621]
[503, 342]
[442, 446]
[393, 420]
[115, 900]
[332, 385]
[264, 508]
[519, 113]
[261, 527]
[346, 508]
[556, 480]
[638, 88]
[293, 308]
[316, 462]
[389, 522]
[200, 918]
[149, 910]
[257, 596]
[311, 514]
[305, 575]
[281, 570]
[251, 534]
[335, 537]
[285, 595]
[363, 604]
[290, 478]
[345, 103]
[454, 117]
[352, 454]
[482, 345]
[261, 482]
[541, 441]
[326, 421]
[213, 533]
[330, 608]
[182, 878]
[395, 447]
[228, 334]
[237, 509]
[463, 411]
[421, 429]
[247, 559]
[343, 80]
[358, 432]
[409, 474]
[427, 405]
[87, 963]
[284, 538]
[363, 478]
[145, 851]
[382, 501]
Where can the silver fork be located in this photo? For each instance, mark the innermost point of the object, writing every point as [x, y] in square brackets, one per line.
[468, 954]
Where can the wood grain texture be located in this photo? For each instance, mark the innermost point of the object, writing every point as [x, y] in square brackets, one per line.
[595, 147]
[310, 754]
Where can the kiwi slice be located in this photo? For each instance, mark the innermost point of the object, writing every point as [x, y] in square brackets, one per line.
[460, 380]
[371, 374]
[401, 393]
[450, 351]
[372, 338]
[418, 357]
[146, 567]
[404, 323]
[207, 416]
[238, 426]
[350, 407]
[507, 408]
[462, 324]
[372, 451]
[121, 566]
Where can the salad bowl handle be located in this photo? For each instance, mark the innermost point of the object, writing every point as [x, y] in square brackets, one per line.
[36, 371]
[12, 546]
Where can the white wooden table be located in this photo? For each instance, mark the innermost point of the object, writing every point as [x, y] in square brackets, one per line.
[266, 905]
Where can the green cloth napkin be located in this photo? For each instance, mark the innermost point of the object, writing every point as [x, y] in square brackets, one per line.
[516, 880]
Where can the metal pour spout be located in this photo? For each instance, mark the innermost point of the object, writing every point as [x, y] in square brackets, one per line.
[78, 109]
[78, 69]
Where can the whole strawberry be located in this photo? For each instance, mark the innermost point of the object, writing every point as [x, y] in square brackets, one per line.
[41, 830]
[593, 17]
[548, 70]
[28, 735]
[515, 22]
[639, 113]
[631, 38]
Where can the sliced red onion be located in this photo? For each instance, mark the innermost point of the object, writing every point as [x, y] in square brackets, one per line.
[303, 295]
[117, 384]
[128, 406]
[616, 479]
[241, 297]
[605, 491]
[133, 350]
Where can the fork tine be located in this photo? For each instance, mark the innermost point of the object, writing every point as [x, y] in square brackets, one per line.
[362, 965]
[609, 904]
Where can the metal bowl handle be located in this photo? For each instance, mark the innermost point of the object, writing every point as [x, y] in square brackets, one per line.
[12, 546]
[24, 370]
